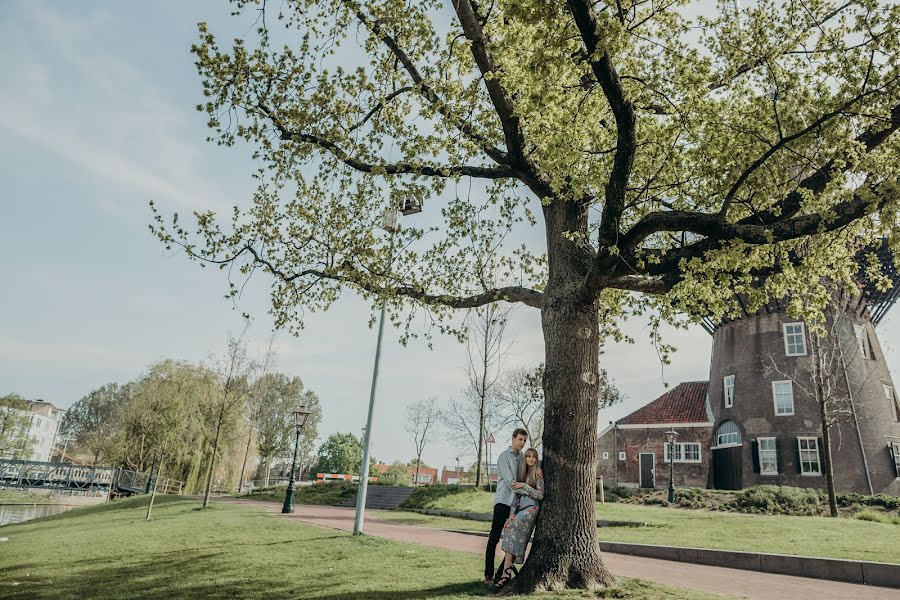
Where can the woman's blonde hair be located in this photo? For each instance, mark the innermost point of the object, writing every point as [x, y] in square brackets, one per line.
[529, 474]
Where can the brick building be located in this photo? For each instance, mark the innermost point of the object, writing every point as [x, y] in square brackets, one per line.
[633, 451]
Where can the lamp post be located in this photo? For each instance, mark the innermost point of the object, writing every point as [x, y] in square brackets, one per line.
[671, 435]
[300, 416]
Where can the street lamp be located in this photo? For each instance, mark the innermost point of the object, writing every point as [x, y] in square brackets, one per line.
[671, 435]
[300, 416]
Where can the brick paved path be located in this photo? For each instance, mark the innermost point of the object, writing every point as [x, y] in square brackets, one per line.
[714, 580]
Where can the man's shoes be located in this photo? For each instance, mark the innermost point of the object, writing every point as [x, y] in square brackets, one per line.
[489, 581]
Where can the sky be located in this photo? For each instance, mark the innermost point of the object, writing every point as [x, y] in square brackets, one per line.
[96, 120]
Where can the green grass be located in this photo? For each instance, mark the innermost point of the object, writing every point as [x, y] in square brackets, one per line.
[412, 518]
[877, 517]
[811, 536]
[235, 551]
[8, 496]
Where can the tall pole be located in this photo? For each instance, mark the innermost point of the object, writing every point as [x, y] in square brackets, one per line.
[364, 475]
[288, 506]
[672, 472]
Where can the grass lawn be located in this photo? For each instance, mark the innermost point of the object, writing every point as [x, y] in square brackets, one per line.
[779, 534]
[10, 496]
[235, 551]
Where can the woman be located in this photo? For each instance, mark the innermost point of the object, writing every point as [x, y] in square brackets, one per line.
[520, 524]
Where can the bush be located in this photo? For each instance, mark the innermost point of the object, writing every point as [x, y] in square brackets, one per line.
[423, 496]
[621, 493]
[882, 500]
[780, 500]
[877, 517]
[689, 498]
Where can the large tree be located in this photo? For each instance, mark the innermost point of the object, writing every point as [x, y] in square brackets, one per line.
[96, 422]
[669, 155]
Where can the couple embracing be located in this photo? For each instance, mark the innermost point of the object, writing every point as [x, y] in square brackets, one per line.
[520, 489]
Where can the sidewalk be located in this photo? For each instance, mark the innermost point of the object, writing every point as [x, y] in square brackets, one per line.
[714, 580]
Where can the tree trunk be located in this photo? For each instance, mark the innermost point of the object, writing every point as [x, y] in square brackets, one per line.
[416, 477]
[480, 445]
[153, 491]
[212, 464]
[565, 552]
[244, 465]
[829, 470]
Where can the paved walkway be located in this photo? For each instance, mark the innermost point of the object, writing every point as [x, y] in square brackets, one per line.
[714, 580]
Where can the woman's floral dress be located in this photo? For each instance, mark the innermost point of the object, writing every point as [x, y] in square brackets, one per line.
[518, 528]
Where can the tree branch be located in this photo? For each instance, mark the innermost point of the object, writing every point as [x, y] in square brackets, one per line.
[623, 111]
[400, 168]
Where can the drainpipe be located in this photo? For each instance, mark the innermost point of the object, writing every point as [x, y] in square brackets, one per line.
[616, 454]
[855, 419]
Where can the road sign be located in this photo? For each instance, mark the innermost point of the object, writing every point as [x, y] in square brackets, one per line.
[491, 439]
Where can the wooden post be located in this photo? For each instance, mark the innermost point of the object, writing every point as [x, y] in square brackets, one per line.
[602, 493]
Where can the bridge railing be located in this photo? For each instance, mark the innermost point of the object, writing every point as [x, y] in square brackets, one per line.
[71, 476]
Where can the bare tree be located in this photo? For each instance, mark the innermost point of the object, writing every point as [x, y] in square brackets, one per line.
[485, 347]
[234, 369]
[824, 377]
[422, 419]
[520, 399]
[256, 401]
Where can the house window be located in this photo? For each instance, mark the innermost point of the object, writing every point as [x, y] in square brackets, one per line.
[621, 456]
[684, 453]
[606, 456]
[728, 434]
[889, 394]
[768, 456]
[895, 452]
[728, 387]
[794, 339]
[809, 456]
[862, 340]
[783, 394]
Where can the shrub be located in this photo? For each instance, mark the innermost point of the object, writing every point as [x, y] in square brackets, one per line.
[621, 493]
[883, 500]
[780, 500]
[877, 517]
[422, 497]
[689, 498]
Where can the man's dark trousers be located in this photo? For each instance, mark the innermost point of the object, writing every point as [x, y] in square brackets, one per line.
[501, 514]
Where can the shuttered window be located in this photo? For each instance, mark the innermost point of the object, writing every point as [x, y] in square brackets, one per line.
[768, 456]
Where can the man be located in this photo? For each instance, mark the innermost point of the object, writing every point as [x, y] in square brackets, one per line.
[508, 466]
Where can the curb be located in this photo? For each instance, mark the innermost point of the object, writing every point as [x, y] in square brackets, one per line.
[832, 569]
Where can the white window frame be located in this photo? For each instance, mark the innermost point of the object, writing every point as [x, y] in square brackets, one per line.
[862, 340]
[888, 391]
[775, 398]
[680, 448]
[621, 456]
[801, 450]
[606, 456]
[784, 330]
[774, 455]
[728, 390]
[736, 433]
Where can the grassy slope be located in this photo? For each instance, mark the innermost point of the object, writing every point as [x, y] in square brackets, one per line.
[811, 536]
[233, 551]
[10, 496]
[329, 494]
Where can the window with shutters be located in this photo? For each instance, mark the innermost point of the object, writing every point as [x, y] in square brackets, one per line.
[895, 452]
[768, 456]
[783, 396]
[728, 389]
[809, 456]
[794, 339]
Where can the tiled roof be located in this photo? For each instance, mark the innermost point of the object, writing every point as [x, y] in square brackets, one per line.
[685, 403]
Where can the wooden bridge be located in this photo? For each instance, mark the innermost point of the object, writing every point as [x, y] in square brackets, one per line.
[74, 477]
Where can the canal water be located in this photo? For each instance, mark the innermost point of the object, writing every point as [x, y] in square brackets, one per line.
[17, 513]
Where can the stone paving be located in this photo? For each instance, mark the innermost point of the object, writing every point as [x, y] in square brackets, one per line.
[714, 580]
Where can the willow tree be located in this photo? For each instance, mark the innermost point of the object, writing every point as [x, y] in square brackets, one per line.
[668, 155]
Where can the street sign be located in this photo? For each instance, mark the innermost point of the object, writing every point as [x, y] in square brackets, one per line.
[491, 439]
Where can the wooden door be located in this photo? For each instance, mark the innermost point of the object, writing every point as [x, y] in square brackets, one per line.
[648, 470]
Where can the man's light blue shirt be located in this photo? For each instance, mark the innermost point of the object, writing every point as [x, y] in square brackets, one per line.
[507, 473]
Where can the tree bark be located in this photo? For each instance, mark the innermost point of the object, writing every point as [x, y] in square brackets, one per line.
[244, 464]
[565, 552]
[416, 477]
[829, 470]
[212, 463]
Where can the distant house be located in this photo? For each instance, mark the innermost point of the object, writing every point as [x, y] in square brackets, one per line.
[427, 475]
[633, 451]
[43, 420]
